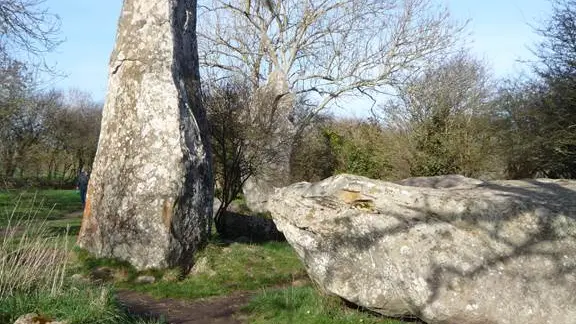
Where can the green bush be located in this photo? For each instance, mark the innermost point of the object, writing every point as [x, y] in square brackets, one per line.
[361, 147]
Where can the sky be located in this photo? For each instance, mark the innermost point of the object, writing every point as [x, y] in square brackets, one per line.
[500, 32]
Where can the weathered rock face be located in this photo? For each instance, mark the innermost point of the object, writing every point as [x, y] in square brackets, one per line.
[34, 318]
[150, 194]
[472, 252]
[272, 106]
[257, 190]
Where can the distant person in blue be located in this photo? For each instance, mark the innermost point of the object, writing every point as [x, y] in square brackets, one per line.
[83, 178]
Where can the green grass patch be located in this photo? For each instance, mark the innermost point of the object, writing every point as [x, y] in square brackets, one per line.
[106, 269]
[58, 212]
[305, 305]
[67, 226]
[220, 269]
[38, 204]
[77, 305]
[34, 270]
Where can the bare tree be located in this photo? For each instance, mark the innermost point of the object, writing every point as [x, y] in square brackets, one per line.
[444, 115]
[27, 26]
[330, 48]
[15, 79]
[41, 130]
[326, 49]
[26, 126]
[460, 85]
[557, 50]
[537, 115]
[240, 146]
[73, 134]
[225, 104]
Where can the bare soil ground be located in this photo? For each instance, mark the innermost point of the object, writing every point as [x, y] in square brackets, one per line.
[217, 310]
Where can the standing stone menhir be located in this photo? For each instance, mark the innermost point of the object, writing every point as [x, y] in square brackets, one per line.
[150, 194]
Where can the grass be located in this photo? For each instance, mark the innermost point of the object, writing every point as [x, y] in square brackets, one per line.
[305, 305]
[242, 267]
[38, 204]
[34, 276]
[76, 304]
[220, 270]
[31, 260]
[59, 212]
[234, 267]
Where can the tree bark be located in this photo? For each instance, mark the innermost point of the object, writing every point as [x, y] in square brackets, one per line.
[150, 194]
[271, 108]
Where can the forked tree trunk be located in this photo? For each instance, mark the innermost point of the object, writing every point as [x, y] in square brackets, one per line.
[150, 194]
[275, 102]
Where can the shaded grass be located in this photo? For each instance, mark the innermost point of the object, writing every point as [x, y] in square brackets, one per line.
[220, 269]
[65, 229]
[304, 305]
[120, 271]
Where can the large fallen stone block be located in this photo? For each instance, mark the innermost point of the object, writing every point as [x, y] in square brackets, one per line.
[467, 252]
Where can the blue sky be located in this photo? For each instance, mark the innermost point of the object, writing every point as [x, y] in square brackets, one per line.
[499, 33]
[502, 31]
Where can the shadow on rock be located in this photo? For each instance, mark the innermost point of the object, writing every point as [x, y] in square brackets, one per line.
[443, 249]
[247, 229]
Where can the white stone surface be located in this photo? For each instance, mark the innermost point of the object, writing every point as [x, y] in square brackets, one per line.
[150, 194]
[471, 252]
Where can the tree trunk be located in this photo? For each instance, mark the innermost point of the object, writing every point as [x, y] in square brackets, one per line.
[51, 166]
[67, 166]
[274, 167]
[80, 159]
[9, 166]
[150, 194]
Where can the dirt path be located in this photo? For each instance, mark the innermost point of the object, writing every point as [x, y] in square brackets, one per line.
[75, 214]
[217, 310]
[16, 230]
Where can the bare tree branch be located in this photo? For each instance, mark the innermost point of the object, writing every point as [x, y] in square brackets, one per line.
[27, 28]
[333, 48]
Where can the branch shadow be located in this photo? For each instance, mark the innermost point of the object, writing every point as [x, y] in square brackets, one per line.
[548, 202]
